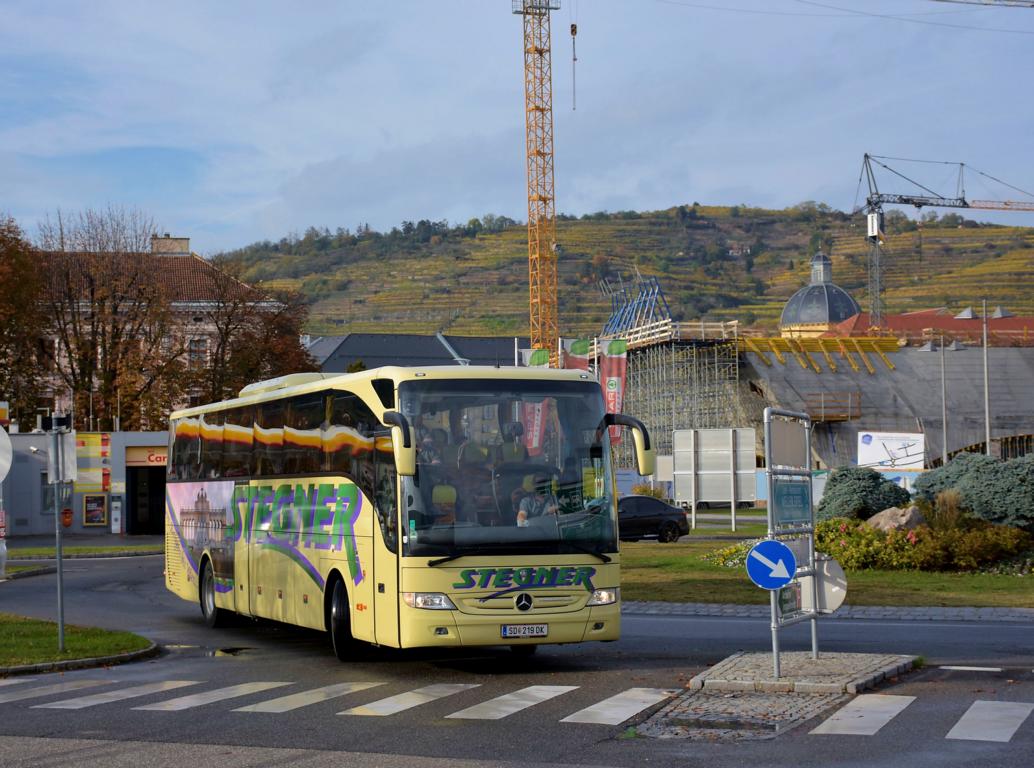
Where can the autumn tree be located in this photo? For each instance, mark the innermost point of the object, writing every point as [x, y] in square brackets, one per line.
[110, 313]
[21, 323]
[254, 335]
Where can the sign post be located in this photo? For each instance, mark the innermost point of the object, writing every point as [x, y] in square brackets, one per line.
[790, 513]
[6, 457]
[61, 469]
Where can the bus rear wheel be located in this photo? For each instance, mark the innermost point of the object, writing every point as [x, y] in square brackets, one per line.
[339, 623]
[214, 617]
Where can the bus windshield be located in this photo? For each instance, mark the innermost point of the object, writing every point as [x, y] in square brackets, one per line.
[508, 466]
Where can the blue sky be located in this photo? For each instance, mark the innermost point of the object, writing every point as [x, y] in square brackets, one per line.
[231, 122]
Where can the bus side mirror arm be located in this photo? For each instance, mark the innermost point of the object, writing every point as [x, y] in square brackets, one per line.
[644, 452]
[402, 443]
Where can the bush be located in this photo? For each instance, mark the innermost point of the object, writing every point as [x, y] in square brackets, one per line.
[859, 492]
[992, 490]
[645, 489]
[857, 546]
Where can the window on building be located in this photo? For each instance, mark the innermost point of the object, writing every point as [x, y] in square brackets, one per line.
[197, 353]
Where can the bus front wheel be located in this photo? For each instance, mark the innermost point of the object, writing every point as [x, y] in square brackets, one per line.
[339, 623]
[214, 617]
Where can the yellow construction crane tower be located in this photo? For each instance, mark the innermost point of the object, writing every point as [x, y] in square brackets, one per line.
[538, 119]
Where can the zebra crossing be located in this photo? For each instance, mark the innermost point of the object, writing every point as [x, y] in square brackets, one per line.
[866, 715]
[613, 710]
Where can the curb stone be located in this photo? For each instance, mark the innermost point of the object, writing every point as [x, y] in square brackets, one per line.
[98, 661]
[41, 571]
[12, 555]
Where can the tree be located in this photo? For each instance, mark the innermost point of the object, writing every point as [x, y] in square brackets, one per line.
[110, 313]
[21, 322]
[254, 336]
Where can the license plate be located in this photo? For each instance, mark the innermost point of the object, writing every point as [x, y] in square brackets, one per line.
[525, 630]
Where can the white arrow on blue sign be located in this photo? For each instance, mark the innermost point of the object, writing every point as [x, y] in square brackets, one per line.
[771, 564]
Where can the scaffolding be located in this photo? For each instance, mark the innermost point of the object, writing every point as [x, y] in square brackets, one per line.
[681, 384]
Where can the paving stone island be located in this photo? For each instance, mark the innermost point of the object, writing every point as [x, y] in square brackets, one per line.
[738, 698]
[800, 673]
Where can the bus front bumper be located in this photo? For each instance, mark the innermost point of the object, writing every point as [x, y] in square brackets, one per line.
[424, 628]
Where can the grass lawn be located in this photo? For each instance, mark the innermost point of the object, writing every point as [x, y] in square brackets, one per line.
[14, 553]
[30, 641]
[676, 573]
[743, 530]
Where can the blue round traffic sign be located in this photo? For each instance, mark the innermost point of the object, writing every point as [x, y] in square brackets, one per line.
[771, 564]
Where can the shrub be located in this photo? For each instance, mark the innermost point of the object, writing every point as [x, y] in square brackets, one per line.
[859, 492]
[992, 490]
[947, 512]
[645, 489]
[858, 546]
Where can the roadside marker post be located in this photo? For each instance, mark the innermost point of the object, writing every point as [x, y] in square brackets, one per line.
[771, 564]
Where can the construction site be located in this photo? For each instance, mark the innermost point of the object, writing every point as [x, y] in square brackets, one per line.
[849, 370]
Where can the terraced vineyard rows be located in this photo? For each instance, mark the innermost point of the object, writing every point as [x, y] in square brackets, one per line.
[720, 263]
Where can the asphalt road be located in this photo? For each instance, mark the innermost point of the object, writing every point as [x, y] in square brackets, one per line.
[657, 653]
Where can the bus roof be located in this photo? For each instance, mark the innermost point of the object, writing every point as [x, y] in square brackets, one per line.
[302, 383]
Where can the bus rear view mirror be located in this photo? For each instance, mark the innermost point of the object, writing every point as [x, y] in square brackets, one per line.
[402, 443]
[644, 453]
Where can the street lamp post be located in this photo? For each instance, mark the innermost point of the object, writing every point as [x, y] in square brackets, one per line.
[987, 386]
[929, 347]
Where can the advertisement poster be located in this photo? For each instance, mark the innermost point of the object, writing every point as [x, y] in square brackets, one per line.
[891, 450]
[612, 378]
[93, 455]
[95, 509]
[576, 354]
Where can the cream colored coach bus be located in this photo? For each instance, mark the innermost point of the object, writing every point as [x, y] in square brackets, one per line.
[406, 507]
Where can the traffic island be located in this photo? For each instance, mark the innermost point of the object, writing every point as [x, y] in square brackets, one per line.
[738, 699]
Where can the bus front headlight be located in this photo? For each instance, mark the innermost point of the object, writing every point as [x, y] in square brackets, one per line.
[432, 601]
[604, 596]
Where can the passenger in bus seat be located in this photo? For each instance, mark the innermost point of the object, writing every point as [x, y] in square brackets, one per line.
[443, 504]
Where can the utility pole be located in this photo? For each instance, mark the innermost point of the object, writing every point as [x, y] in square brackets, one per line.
[987, 386]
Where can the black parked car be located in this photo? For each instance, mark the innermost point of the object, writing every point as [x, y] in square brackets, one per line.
[640, 516]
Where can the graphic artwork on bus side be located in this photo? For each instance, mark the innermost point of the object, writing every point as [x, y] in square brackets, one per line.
[294, 520]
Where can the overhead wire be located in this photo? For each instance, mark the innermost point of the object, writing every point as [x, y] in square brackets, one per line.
[906, 19]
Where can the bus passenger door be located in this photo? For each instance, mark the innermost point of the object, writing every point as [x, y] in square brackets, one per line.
[385, 546]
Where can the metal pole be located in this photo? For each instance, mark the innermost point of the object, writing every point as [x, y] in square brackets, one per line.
[732, 489]
[944, 410]
[811, 551]
[772, 597]
[987, 389]
[774, 602]
[55, 453]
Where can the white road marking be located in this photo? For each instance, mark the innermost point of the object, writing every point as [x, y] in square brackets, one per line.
[991, 721]
[617, 709]
[503, 706]
[16, 680]
[200, 699]
[973, 669]
[47, 690]
[107, 697]
[404, 701]
[303, 699]
[865, 715]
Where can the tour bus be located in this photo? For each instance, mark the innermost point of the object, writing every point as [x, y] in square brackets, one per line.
[404, 507]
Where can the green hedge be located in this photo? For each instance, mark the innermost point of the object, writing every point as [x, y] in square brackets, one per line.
[859, 492]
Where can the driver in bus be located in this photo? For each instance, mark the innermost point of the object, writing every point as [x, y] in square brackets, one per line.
[539, 502]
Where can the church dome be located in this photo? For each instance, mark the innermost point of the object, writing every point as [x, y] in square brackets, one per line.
[822, 302]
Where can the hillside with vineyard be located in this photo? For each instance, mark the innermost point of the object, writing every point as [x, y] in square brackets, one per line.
[716, 263]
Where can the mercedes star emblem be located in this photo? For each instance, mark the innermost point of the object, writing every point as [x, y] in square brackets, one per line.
[523, 602]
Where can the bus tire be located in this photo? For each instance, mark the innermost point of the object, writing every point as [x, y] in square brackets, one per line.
[523, 651]
[339, 623]
[214, 617]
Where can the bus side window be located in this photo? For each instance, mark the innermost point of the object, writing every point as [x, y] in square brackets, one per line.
[302, 436]
[186, 449]
[237, 442]
[269, 438]
[348, 441]
[212, 444]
